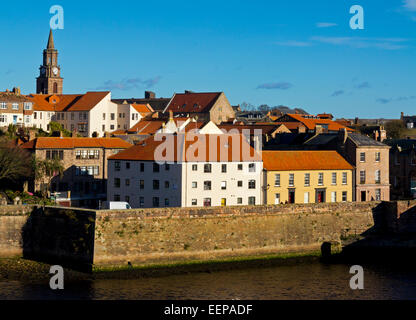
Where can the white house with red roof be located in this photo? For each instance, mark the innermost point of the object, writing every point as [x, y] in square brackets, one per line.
[186, 170]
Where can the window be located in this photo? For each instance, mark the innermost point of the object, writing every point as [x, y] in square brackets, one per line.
[166, 202]
[141, 167]
[334, 178]
[127, 182]
[113, 116]
[333, 196]
[116, 197]
[103, 116]
[344, 178]
[362, 177]
[252, 184]
[127, 165]
[116, 182]
[377, 156]
[141, 184]
[28, 106]
[251, 201]
[15, 106]
[239, 200]
[207, 168]
[155, 202]
[223, 185]
[291, 179]
[207, 185]
[127, 199]
[156, 167]
[194, 185]
[117, 165]
[240, 166]
[239, 183]
[378, 194]
[194, 202]
[344, 196]
[3, 118]
[194, 167]
[223, 202]
[167, 184]
[112, 127]
[96, 170]
[155, 184]
[320, 179]
[362, 156]
[252, 167]
[207, 202]
[277, 180]
[223, 168]
[378, 176]
[167, 167]
[141, 202]
[307, 179]
[3, 105]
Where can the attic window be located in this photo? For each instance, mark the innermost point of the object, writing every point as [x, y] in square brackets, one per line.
[184, 105]
[196, 106]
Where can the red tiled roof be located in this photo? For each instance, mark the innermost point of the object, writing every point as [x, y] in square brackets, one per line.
[67, 102]
[193, 102]
[146, 127]
[72, 142]
[143, 108]
[153, 150]
[311, 123]
[277, 160]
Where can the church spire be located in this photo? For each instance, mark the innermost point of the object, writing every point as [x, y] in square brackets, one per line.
[50, 41]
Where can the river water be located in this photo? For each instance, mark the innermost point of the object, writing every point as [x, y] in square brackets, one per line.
[312, 280]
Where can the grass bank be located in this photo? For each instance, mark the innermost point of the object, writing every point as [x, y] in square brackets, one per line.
[184, 267]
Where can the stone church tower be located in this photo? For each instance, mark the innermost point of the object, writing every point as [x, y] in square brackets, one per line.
[49, 80]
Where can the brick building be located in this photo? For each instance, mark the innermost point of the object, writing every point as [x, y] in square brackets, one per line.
[206, 106]
[85, 167]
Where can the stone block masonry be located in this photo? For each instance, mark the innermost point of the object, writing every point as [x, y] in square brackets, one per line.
[171, 235]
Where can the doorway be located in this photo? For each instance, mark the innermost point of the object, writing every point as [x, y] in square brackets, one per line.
[363, 196]
[320, 196]
[291, 196]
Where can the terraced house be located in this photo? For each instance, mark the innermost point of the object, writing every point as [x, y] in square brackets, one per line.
[15, 109]
[84, 180]
[300, 176]
[171, 171]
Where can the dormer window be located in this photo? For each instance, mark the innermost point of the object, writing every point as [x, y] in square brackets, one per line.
[28, 106]
[184, 105]
[196, 106]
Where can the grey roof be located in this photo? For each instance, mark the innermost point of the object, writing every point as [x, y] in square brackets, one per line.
[404, 144]
[321, 139]
[157, 104]
[362, 140]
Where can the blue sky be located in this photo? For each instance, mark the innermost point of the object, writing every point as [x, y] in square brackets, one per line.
[295, 53]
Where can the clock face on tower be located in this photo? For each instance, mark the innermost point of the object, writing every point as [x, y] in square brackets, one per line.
[55, 71]
[42, 71]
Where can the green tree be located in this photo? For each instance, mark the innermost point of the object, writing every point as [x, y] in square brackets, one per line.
[55, 126]
[45, 171]
[395, 129]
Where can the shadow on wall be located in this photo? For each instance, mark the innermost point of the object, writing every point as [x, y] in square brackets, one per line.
[392, 237]
[60, 237]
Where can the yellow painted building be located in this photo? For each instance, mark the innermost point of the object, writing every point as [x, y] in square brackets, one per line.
[305, 176]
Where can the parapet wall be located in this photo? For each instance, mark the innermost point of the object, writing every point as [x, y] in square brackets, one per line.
[167, 235]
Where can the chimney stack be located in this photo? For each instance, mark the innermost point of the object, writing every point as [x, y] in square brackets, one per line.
[149, 95]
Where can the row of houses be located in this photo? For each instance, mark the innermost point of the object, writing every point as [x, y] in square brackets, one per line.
[225, 171]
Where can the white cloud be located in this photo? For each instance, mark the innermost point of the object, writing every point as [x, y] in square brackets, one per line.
[409, 5]
[326, 24]
[294, 43]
